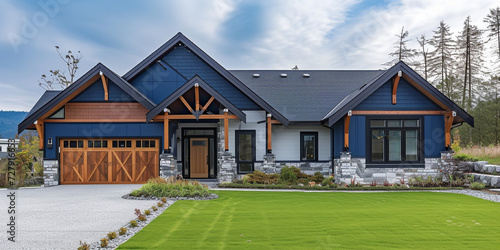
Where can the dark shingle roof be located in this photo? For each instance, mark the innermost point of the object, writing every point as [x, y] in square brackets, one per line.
[300, 98]
[46, 97]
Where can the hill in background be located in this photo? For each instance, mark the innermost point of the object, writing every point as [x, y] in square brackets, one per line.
[9, 121]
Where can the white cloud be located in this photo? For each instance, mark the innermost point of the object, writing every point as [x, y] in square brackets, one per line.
[297, 32]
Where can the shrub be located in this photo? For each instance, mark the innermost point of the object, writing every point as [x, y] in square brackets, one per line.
[104, 242]
[261, 178]
[386, 183]
[160, 204]
[154, 208]
[373, 183]
[164, 199]
[147, 212]
[160, 187]
[317, 177]
[83, 246]
[133, 223]
[464, 157]
[122, 231]
[288, 175]
[477, 185]
[111, 235]
[327, 181]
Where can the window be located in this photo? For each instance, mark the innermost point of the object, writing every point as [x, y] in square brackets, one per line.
[58, 114]
[308, 146]
[245, 150]
[394, 141]
[122, 144]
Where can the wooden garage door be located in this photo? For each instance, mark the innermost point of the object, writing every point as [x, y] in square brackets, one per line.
[100, 161]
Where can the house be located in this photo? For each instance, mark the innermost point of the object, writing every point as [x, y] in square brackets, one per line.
[179, 112]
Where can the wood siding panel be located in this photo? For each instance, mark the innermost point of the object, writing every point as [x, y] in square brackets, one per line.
[99, 111]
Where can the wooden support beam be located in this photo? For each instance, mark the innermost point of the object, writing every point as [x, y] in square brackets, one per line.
[197, 96]
[392, 112]
[105, 86]
[208, 104]
[186, 103]
[226, 130]
[39, 130]
[448, 122]
[395, 83]
[192, 117]
[347, 120]
[165, 133]
[269, 134]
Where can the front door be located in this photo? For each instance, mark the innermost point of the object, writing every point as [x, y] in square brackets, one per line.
[199, 157]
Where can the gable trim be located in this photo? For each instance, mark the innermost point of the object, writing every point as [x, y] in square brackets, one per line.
[180, 38]
[186, 87]
[414, 79]
[79, 86]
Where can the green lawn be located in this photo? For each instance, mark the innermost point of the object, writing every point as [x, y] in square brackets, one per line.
[292, 220]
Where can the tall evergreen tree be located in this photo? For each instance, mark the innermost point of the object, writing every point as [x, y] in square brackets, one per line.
[493, 21]
[470, 48]
[402, 52]
[441, 58]
[424, 52]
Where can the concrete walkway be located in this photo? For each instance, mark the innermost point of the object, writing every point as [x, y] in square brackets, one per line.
[62, 216]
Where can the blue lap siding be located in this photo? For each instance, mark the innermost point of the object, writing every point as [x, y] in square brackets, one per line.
[95, 92]
[407, 98]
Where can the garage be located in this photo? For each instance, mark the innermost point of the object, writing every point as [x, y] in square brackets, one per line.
[108, 161]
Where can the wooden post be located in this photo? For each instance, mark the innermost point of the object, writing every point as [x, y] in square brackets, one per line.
[104, 85]
[269, 134]
[347, 120]
[39, 130]
[197, 95]
[226, 130]
[395, 83]
[448, 122]
[165, 132]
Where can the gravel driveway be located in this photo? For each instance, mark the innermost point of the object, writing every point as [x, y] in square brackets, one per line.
[60, 217]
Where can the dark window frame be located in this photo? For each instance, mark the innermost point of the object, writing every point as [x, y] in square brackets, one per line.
[302, 135]
[237, 134]
[392, 164]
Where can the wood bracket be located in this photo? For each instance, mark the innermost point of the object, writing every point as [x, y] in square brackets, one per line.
[104, 80]
[395, 83]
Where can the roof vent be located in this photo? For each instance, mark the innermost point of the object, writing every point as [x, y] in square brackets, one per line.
[283, 75]
[256, 75]
[306, 75]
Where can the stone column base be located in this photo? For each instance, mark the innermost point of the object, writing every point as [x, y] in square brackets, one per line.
[227, 167]
[168, 166]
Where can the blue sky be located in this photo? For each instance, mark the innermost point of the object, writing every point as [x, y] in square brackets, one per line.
[313, 34]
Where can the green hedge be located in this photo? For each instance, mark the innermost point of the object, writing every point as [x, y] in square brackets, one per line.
[172, 189]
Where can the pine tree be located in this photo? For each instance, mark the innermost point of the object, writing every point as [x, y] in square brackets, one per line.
[493, 21]
[440, 59]
[402, 52]
[470, 48]
[424, 51]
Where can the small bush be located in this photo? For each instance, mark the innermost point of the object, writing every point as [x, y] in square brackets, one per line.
[160, 204]
[154, 208]
[104, 242]
[327, 181]
[142, 217]
[147, 212]
[122, 231]
[83, 246]
[133, 223]
[261, 178]
[288, 175]
[477, 185]
[111, 235]
[317, 177]
[164, 199]
[464, 157]
[373, 183]
[160, 187]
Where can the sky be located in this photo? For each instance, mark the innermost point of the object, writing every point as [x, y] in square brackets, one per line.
[265, 34]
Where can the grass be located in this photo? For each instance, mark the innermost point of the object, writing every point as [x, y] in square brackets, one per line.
[490, 154]
[298, 220]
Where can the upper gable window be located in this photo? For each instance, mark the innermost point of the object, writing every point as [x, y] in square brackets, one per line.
[58, 114]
